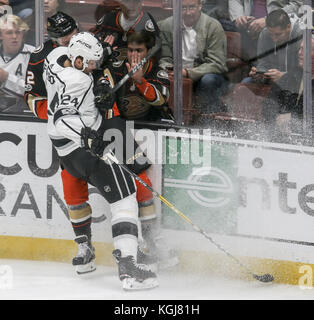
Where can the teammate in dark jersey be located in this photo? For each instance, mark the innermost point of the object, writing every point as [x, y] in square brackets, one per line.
[61, 27]
[143, 97]
[140, 102]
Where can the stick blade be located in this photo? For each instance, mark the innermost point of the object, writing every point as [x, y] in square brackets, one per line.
[264, 278]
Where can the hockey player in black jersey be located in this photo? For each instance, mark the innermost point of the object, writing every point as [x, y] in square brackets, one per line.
[143, 97]
[120, 25]
[60, 27]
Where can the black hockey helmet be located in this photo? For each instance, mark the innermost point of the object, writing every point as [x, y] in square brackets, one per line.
[60, 25]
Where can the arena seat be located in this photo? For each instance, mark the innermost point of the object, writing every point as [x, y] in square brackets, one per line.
[187, 104]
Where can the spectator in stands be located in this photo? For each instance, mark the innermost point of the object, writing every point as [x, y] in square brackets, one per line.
[250, 19]
[52, 6]
[204, 50]
[104, 7]
[146, 93]
[22, 8]
[14, 56]
[283, 109]
[120, 23]
[277, 49]
[25, 9]
[219, 10]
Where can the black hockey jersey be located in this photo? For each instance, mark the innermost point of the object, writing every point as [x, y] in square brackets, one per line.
[109, 24]
[35, 90]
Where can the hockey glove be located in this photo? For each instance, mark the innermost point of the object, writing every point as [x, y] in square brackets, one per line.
[108, 48]
[92, 141]
[104, 98]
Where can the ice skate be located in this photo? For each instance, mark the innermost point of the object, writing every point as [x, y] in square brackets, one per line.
[165, 256]
[144, 257]
[84, 259]
[133, 275]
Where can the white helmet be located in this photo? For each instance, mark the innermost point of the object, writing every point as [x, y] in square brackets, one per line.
[85, 45]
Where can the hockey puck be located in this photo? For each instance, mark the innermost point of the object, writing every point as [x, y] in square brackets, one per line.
[257, 163]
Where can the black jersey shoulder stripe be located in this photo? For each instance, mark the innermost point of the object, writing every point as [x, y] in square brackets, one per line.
[58, 143]
[64, 112]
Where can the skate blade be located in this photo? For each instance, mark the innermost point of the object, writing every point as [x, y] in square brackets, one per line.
[131, 284]
[168, 263]
[85, 268]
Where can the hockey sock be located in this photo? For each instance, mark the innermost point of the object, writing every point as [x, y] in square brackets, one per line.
[125, 225]
[81, 218]
[147, 211]
[149, 222]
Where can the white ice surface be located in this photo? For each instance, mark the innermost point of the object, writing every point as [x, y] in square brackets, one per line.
[51, 280]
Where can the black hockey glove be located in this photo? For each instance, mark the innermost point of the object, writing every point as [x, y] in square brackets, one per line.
[104, 98]
[108, 50]
[92, 141]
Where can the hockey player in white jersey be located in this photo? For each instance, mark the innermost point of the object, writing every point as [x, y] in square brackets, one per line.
[14, 56]
[76, 130]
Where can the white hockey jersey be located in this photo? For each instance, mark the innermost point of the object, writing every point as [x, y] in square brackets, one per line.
[16, 67]
[70, 102]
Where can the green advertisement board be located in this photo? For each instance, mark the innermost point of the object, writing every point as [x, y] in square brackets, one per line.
[204, 192]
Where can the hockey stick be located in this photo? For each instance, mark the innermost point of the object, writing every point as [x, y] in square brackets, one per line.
[263, 278]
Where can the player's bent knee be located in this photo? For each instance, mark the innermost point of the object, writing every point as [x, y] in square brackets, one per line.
[125, 208]
[75, 190]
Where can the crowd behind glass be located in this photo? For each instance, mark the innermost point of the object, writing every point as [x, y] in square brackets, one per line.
[242, 60]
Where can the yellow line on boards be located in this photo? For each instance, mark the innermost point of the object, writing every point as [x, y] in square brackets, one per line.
[288, 272]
